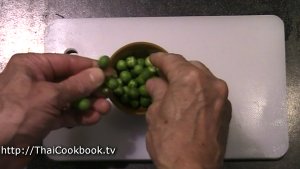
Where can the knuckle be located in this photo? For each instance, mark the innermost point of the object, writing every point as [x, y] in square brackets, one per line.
[222, 88]
[191, 75]
[16, 57]
[151, 112]
[175, 55]
[148, 117]
[21, 58]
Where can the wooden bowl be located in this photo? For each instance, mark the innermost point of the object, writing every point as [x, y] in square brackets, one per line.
[139, 50]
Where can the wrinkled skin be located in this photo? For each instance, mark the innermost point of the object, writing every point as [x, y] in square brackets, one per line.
[187, 122]
[189, 118]
[36, 91]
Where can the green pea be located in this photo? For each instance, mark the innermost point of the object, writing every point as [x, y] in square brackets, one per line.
[148, 62]
[129, 84]
[138, 69]
[103, 62]
[119, 91]
[125, 76]
[152, 69]
[112, 83]
[141, 61]
[126, 89]
[130, 61]
[121, 65]
[140, 80]
[145, 102]
[84, 104]
[143, 91]
[120, 82]
[133, 93]
[132, 83]
[134, 103]
[146, 74]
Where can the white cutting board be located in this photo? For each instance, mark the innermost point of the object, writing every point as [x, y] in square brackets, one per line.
[246, 51]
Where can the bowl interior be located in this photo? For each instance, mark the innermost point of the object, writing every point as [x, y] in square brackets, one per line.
[139, 50]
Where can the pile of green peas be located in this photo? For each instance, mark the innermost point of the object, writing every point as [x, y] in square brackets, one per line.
[128, 84]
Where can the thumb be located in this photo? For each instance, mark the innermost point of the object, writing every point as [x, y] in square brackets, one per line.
[81, 84]
[156, 88]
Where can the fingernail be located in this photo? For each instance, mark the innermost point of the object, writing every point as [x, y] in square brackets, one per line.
[96, 76]
[157, 53]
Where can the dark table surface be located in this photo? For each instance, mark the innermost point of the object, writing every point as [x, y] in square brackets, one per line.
[22, 25]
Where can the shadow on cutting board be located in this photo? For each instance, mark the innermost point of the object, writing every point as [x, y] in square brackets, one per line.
[117, 130]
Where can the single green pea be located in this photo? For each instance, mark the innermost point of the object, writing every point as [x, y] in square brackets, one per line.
[112, 83]
[120, 82]
[133, 93]
[143, 90]
[145, 102]
[132, 83]
[138, 69]
[125, 98]
[152, 69]
[134, 103]
[146, 74]
[126, 89]
[121, 65]
[119, 91]
[103, 62]
[141, 61]
[140, 80]
[84, 104]
[130, 61]
[125, 76]
[148, 62]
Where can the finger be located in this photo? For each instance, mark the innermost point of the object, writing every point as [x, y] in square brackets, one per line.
[228, 111]
[65, 65]
[149, 145]
[89, 118]
[61, 65]
[225, 124]
[153, 115]
[156, 88]
[80, 85]
[74, 118]
[102, 105]
[50, 66]
[167, 63]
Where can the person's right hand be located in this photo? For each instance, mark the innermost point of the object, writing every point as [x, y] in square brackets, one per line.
[189, 118]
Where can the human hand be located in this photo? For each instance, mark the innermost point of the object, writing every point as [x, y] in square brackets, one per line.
[36, 91]
[189, 118]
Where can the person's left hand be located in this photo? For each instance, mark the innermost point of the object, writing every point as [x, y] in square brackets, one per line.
[36, 91]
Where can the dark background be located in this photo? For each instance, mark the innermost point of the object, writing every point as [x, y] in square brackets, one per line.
[22, 25]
